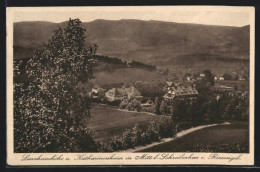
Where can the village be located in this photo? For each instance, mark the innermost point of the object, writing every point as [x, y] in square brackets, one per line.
[142, 95]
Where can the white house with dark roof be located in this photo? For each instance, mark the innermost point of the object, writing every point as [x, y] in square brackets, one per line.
[179, 92]
[122, 93]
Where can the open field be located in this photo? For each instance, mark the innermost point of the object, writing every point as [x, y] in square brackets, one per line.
[107, 122]
[126, 75]
[233, 138]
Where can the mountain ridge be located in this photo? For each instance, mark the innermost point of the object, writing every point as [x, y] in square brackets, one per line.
[152, 42]
[159, 21]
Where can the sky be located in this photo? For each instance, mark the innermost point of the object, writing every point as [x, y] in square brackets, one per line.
[225, 16]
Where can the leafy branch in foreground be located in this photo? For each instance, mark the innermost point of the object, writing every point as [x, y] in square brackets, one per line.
[50, 112]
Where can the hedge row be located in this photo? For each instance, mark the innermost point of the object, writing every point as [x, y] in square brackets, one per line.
[138, 136]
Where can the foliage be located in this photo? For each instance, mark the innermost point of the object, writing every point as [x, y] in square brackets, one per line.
[166, 128]
[209, 77]
[111, 103]
[150, 89]
[123, 104]
[142, 65]
[49, 112]
[131, 105]
[206, 82]
[127, 139]
[113, 60]
[234, 105]
[134, 105]
[227, 76]
[116, 144]
[163, 108]
[235, 87]
[156, 106]
[141, 136]
[213, 106]
[180, 110]
[147, 109]
[153, 131]
[137, 136]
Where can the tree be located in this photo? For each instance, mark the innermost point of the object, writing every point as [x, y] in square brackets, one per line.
[209, 77]
[204, 84]
[235, 87]
[134, 105]
[153, 131]
[95, 46]
[163, 108]
[156, 106]
[180, 111]
[128, 141]
[137, 135]
[50, 114]
[227, 76]
[123, 104]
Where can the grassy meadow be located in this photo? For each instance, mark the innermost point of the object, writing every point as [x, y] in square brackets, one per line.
[233, 138]
[241, 85]
[107, 121]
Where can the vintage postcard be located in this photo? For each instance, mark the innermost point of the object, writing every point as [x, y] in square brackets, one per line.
[130, 85]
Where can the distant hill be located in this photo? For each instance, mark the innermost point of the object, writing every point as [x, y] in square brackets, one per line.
[153, 42]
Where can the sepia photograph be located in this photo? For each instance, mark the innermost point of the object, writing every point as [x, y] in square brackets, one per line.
[130, 85]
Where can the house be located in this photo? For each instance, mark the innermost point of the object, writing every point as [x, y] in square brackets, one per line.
[97, 92]
[181, 92]
[241, 78]
[169, 84]
[122, 93]
[202, 75]
[221, 78]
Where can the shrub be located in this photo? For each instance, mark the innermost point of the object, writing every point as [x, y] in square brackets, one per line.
[153, 131]
[134, 105]
[116, 144]
[145, 138]
[123, 104]
[127, 139]
[163, 108]
[156, 106]
[87, 142]
[137, 135]
[166, 128]
[147, 109]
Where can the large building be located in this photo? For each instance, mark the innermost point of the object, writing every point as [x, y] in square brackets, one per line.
[122, 93]
[179, 92]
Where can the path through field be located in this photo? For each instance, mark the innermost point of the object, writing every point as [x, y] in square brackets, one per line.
[233, 138]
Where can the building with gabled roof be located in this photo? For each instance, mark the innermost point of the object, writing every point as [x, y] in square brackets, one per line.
[169, 84]
[181, 92]
[122, 93]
